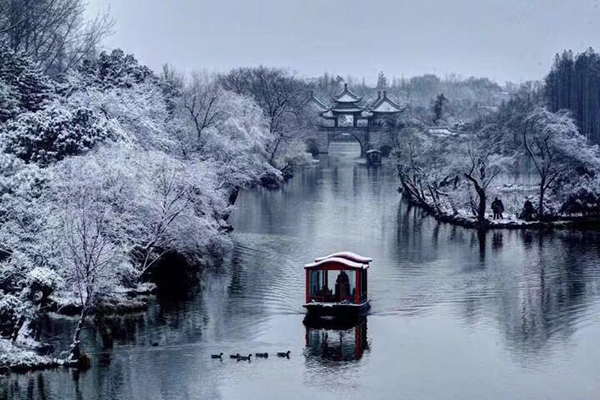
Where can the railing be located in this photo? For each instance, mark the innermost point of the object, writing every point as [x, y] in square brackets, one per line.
[331, 297]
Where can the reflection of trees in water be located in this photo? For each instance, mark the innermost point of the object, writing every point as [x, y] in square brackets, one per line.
[539, 286]
[541, 294]
[30, 386]
[553, 293]
[412, 234]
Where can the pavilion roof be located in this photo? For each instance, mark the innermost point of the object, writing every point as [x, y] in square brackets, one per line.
[346, 96]
[350, 108]
[384, 105]
[311, 99]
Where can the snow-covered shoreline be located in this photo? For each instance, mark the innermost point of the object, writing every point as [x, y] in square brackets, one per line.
[15, 358]
[592, 223]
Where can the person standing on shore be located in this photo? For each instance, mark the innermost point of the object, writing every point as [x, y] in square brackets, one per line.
[497, 208]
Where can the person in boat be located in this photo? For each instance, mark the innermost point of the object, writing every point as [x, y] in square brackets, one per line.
[342, 286]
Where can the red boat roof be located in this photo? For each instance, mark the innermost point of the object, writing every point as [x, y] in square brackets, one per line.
[348, 256]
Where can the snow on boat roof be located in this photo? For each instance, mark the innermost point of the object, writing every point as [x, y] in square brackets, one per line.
[348, 255]
[338, 260]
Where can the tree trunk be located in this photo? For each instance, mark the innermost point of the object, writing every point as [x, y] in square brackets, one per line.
[482, 204]
[541, 203]
[482, 197]
[233, 196]
[75, 352]
[17, 328]
[274, 152]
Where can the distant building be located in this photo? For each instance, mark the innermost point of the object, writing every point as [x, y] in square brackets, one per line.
[347, 110]
[444, 131]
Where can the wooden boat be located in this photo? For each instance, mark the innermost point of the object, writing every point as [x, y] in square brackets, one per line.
[336, 286]
[374, 157]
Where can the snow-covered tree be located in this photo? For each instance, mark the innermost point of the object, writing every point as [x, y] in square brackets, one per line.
[114, 69]
[382, 81]
[135, 115]
[203, 105]
[54, 33]
[483, 165]
[53, 133]
[89, 232]
[554, 145]
[23, 188]
[278, 93]
[426, 168]
[9, 102]
[23, 87]
[296, 155]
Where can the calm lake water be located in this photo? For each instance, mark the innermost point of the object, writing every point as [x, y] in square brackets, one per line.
[455, 314]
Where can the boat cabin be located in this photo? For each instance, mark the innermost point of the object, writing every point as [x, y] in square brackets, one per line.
[337, 284]
[374, 157]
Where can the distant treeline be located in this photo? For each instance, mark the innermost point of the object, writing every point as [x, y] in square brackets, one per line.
[574, 84]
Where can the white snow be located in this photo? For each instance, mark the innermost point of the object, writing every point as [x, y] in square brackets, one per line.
[347, 255]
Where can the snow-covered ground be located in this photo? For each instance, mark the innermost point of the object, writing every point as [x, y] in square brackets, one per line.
[15, 358]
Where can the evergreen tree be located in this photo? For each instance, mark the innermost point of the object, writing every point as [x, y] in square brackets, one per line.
[438, 108]
[23, 86]
[115, 70]
[573, 84]
[382, 82]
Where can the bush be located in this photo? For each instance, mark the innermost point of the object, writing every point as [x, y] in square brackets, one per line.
[52, 134]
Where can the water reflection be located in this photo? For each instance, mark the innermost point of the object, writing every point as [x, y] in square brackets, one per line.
[336, 341]
[455, 313]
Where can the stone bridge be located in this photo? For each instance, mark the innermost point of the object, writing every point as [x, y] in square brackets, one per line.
[368, 137]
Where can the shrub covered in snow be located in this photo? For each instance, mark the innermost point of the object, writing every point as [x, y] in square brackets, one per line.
[52, 134]
[17, 359]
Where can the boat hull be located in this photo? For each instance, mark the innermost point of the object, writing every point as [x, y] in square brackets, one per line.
[337, 310]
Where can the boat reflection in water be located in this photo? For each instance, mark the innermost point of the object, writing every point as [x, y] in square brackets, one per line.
[332, 340]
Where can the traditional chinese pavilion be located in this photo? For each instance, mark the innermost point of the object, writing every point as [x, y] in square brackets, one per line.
[347, 109]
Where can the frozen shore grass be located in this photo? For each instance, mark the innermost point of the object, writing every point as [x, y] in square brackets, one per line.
[14, 358]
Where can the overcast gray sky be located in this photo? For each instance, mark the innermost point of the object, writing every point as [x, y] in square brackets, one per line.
[501, 39]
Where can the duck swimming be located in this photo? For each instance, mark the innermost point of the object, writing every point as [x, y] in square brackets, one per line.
[286, 354]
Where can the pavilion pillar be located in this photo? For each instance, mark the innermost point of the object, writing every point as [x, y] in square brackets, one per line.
[308, 283]
[357, 286]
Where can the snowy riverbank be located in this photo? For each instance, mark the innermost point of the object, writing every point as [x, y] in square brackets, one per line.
[16, 358]
[468, 221]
